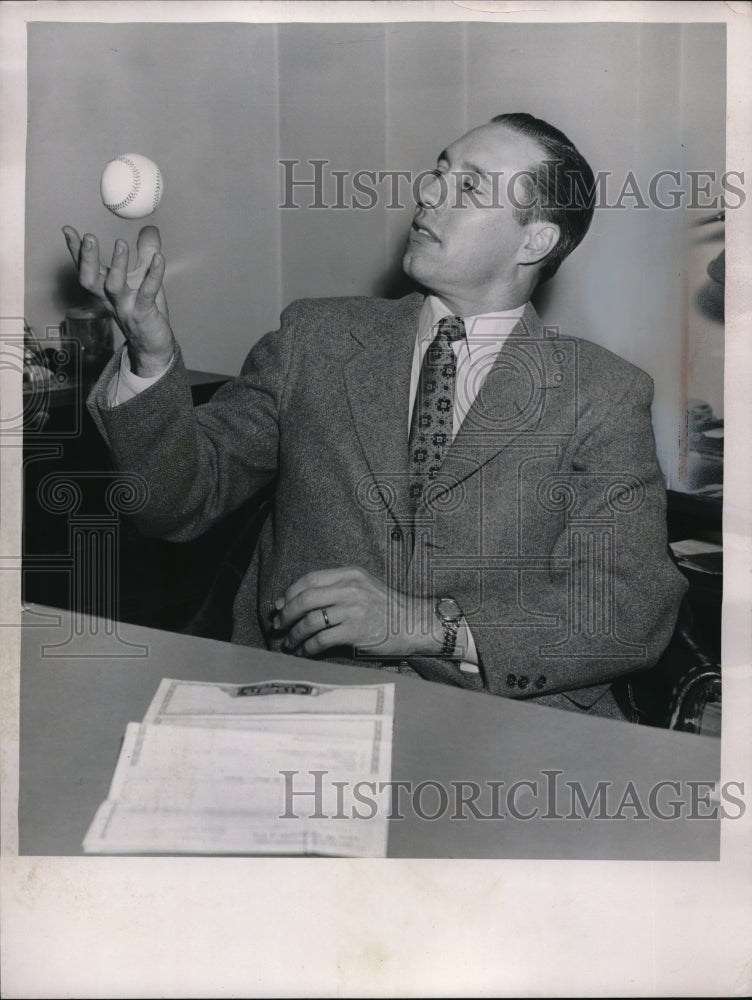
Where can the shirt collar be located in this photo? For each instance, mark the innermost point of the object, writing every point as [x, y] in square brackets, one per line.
[480, 330]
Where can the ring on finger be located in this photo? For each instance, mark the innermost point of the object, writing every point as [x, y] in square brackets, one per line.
[327, 623]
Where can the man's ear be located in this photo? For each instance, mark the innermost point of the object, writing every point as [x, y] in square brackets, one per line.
[541, 238]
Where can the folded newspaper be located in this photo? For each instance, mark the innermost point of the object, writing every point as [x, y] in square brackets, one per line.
[271, 767]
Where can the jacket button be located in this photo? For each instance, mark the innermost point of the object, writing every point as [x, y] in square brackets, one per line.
[511, 680]
[396, 535]
[523, 682]
[540, 681]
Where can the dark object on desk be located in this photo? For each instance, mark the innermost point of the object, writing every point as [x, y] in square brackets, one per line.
[700, 417]
[91, 328]
[704, 429]
[704, 447]
[159, 584]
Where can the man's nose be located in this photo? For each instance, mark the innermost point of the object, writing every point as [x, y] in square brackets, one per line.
[430, 189]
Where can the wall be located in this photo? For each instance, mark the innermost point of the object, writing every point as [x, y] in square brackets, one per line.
[219, 106]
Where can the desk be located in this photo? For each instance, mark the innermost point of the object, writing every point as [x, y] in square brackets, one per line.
[78, 692]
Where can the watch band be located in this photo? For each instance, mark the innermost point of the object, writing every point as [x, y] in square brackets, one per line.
[450, 637]
[449, 614]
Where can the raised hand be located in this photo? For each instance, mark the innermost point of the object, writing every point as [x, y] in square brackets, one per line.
[135, 298]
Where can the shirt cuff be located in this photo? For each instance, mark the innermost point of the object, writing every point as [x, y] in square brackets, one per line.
[126, 384]
[469, 662]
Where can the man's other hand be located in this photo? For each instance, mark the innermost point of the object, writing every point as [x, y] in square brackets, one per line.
[350, 607]
[135, 298]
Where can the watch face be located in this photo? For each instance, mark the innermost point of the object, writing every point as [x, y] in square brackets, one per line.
[449, 609]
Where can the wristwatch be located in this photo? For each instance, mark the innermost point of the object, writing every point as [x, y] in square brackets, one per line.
[449, 614]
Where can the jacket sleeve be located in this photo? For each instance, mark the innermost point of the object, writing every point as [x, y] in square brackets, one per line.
[198, 464]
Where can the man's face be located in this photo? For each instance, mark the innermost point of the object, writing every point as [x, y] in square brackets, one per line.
[465, 244]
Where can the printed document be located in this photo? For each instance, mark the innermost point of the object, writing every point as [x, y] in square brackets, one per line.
[273, 767]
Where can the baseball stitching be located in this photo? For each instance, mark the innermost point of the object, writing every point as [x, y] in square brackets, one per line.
[157, 190]
[134, 190]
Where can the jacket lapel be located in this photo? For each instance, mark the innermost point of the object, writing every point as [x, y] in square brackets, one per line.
[377, 380]
[521, 395]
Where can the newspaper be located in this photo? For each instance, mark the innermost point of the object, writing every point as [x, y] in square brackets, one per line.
[274, 767]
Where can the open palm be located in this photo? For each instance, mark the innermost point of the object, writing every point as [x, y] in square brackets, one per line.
[134, 297]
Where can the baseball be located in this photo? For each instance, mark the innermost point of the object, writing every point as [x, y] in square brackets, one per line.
[132, 186]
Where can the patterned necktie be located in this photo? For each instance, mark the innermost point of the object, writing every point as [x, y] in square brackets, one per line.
[433, 411]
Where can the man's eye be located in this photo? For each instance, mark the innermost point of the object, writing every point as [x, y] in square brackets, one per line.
[470, 182]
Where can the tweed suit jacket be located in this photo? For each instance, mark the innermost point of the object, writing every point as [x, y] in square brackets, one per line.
[546, 523]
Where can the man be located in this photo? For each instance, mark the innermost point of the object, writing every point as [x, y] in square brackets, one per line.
[459, 493]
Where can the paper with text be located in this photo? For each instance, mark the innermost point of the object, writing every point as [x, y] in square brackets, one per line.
[276, 767]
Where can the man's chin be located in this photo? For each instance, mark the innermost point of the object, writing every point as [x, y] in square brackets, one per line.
[411, 266]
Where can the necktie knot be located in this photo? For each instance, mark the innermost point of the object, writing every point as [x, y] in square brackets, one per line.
[451, 327]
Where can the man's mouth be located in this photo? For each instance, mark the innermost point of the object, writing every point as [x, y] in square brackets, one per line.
[420, 229]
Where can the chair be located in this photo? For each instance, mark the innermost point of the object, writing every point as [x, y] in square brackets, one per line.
[213, 620]
[682, 691]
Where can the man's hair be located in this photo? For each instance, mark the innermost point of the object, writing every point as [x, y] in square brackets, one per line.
[559, 189]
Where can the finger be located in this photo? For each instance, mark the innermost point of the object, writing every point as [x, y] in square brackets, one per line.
[89, 267]
[150, 286]
[148, 243]
[162, 303]
[312, 599]
[324, 640]
[312, 623]
[73, 240]
[319, 578]
[115, 282]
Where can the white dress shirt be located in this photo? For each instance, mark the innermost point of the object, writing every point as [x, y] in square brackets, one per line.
[125, 384]
[476, 354]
